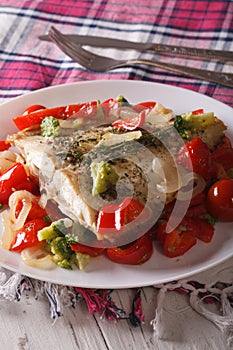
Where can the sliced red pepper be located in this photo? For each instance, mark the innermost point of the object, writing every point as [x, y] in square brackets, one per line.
[27, 236]
[33, 108]
[144, 105]
[110, 105]
[4, 146]
[135, 253]
[131, 123]
[198, 111]
[14, 178]
[84, 249]
[113, 217]
[63, 112]
[36, 211]
[108, 221]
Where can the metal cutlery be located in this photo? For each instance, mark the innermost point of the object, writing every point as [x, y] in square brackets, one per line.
[97, 41]
[99, 63]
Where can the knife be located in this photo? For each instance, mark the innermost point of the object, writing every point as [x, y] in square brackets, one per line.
[98, 41]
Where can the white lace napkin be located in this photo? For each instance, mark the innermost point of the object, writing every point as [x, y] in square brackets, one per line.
[213, 285]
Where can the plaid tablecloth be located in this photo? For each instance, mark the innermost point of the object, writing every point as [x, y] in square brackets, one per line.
[27, 64]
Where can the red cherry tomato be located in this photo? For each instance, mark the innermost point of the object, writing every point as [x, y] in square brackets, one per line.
[27, 236]
[224, 156]
[134, 254]
[220, 200]
[176, 243]
[196, 154]
[84, 249]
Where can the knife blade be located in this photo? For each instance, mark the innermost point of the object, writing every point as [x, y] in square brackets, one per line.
[97, 41]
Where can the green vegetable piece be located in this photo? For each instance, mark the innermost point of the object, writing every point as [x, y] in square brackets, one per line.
[103, 175]
[122, 99]
[65, 264]
[50, 126]
[56, 229]
[198, 120]
[82, 260]
[189, 123]
[60, 249]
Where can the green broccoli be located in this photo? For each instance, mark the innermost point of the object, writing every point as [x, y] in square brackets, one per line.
[50, 126]
[122, 99]
[62, 252]
[103, 175]
[189, 124]
[182, 127]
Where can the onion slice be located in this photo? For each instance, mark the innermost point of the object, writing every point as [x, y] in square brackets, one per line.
[37, 257]
[26, 198]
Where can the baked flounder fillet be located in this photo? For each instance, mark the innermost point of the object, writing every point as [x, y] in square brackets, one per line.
[143, 161]
[63, 165]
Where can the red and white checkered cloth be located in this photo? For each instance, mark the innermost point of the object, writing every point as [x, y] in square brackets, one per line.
[27, 63]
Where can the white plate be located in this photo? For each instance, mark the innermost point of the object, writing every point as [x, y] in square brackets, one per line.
[102, 273]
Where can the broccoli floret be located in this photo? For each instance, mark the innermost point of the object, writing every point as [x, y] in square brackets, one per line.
[182, 127]
[103, 175]
[62, 252]
[50, 126]
[122, 99]
[56, 229]
[188, 124]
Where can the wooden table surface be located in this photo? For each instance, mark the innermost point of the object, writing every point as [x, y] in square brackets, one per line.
[26, 325]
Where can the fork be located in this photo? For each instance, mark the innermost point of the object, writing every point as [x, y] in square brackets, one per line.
[99, 63]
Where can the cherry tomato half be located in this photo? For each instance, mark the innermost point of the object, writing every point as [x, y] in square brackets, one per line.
[220, 200]
[84, 249]
[196, 154]
[134, 254]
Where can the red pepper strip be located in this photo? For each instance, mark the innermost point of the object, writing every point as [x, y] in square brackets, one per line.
[32, 108]
[35, 118]
[136, 253]
[4, 146]
[110, 105]
[131, 123]
[144, 105]
[27, 236]
[36, 211]
[14, 178]
[84, 249]
[112, 217]
[108, 221]
[198, 111]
